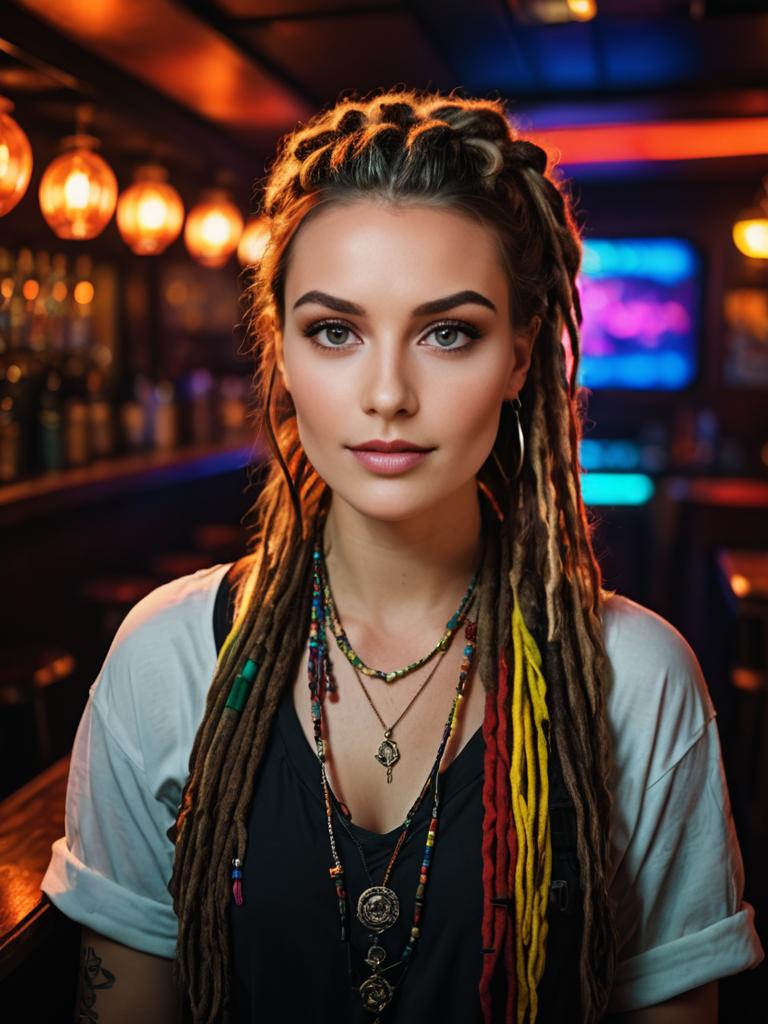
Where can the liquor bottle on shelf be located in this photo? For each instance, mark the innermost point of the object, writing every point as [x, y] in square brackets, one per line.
[134, 412]
[233, 407]
[51, 424]
[51, 409]
[47, 433]
[10, 426]
[22, 368]
[77, 448]
[199, 391]
[38, 297]
[10, 440]
[101, 421]
[165, 422]
[58, 311]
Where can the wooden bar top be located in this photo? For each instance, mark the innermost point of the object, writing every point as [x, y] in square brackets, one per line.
[30, 820]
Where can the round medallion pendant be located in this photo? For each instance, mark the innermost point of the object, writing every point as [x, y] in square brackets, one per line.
[378, 908]
[388, 753]
[376, 993]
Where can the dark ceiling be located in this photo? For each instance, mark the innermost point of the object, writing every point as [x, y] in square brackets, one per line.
[226, 77]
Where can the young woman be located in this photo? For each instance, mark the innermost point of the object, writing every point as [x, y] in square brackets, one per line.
[436, 771]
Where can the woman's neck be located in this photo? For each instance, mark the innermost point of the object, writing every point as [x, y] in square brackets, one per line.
[405, 574]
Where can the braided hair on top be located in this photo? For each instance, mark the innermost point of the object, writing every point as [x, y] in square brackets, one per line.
[540, 577]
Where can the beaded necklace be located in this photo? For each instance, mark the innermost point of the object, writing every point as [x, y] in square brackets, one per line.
[388, 753]
[354, 658]
[378, 907]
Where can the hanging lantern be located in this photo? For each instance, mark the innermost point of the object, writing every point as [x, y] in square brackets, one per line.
[213, 228]
[253, 241]
[15, 159]
[750, 231]
[150, 212]
[750, 234]
[78, 190]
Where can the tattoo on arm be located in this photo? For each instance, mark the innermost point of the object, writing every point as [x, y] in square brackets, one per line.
[92, 978]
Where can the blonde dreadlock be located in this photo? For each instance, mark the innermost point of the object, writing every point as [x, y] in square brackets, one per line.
[540, 579]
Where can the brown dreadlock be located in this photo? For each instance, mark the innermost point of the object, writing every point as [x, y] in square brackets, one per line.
[461, 154]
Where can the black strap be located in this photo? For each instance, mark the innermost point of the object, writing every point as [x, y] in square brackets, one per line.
[223, 609]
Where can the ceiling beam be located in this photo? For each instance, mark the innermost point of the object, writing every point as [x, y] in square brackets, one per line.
[113, 87]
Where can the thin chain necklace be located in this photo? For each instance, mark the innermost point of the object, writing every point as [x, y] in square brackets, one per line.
[392, 676]
[378, 907]
[388, 753]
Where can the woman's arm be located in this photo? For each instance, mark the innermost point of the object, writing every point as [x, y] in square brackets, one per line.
[697, 1006]
[120, 985]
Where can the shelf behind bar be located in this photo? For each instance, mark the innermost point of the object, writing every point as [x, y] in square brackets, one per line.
[109, 478]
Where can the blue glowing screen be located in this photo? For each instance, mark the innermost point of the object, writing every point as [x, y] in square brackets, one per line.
[640, 300]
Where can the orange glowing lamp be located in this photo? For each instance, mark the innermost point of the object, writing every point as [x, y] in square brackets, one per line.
[750, 231]
[78, 190]
[213, 228]
[150, 212]
[15, 159]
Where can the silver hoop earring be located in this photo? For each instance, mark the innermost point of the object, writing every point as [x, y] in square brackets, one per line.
[516, 407]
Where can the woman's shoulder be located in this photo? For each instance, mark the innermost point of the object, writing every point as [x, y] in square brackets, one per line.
[151, 688]
[658, 702]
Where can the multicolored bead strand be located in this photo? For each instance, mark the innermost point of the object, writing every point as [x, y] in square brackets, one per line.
[392, 676]
[469, 652]
[321, 679]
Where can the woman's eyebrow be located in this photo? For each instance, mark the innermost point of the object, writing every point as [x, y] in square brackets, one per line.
[434, 306]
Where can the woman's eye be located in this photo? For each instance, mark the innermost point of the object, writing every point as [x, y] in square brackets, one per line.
[447, 336]
[334, 335]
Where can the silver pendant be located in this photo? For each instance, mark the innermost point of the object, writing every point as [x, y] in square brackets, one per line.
[378, 908]
[376, 993]
[388, 754]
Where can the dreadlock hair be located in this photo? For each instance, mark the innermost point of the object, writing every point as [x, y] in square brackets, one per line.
[540, 577]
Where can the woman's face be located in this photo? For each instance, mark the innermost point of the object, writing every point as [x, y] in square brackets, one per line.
[397, 327]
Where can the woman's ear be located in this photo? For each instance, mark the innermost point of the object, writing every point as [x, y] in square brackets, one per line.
[523, 345]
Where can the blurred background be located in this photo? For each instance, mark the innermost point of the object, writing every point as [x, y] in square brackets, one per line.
[132, 135]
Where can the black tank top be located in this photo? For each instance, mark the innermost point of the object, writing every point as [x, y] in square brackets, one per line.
[288, 962]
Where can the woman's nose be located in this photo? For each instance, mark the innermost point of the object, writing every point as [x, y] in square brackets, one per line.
[389, 385]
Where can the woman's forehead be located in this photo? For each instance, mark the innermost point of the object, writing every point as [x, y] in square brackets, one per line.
[415, 251]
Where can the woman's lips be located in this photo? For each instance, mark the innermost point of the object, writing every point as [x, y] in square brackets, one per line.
[388, 463]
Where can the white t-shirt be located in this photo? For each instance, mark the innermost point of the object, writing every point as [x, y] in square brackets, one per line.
[676, 876]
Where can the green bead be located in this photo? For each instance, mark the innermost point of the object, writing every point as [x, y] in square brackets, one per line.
[241, 687]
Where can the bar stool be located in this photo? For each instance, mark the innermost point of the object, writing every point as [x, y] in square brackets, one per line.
[39, 711]
[110, 598]
[223, 542]
[170, 565]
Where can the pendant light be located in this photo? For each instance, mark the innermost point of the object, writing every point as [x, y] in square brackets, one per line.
[253, 241]
[15, 159]
[213, 228]
[78, 189]
[150, 212]
[750, 232]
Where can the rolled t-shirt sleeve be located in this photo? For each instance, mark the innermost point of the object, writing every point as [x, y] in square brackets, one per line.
[680, 911]
[111, 868]
[130, 760]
